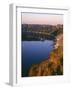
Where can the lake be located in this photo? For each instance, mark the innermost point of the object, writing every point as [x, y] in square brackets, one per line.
[34, 52]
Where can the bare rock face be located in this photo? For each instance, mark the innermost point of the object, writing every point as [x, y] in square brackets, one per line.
[53, 66]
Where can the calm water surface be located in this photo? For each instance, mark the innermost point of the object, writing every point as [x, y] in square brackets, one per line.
[33, 52]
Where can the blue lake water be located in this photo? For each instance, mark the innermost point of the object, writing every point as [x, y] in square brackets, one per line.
[33, 52]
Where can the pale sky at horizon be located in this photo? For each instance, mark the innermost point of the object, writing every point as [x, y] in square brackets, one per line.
[34, 18]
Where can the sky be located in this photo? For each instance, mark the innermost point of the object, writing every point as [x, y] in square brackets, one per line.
[34, 18]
